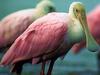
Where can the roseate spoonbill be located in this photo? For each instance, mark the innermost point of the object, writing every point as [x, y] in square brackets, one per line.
[93, 19]
[14, 24]
[50, 37]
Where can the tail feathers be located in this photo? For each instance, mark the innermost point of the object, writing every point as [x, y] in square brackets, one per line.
[10, 55]
[7, 58]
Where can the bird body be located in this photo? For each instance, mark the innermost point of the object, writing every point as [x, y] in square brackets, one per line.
[94, 22]
[40, 38]
[16, 23]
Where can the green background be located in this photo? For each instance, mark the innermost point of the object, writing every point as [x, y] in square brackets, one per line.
[9, 6]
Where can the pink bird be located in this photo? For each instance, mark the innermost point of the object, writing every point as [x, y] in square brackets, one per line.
[50, 37]
[16, 23]
[93, 19]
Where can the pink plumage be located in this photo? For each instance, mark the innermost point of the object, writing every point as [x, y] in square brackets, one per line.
[42, 37]
[15, 21]
[93, 19]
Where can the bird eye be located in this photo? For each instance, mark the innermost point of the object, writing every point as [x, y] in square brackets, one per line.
[76, 10]
[51, 9]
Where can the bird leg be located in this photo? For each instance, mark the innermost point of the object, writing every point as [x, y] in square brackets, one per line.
[17, 68]
[43, 68]
[51, 66]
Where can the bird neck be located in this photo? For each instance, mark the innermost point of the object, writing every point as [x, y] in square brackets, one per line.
[75, 32]
[40, 12]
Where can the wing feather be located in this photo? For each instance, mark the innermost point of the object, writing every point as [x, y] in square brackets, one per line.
[38, 39]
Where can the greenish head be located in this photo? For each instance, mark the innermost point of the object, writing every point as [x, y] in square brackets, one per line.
[46, 6]
[77, 11]
[77, 8]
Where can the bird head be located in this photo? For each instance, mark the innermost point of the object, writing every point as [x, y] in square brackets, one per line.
[77, 11]
[46, 6]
